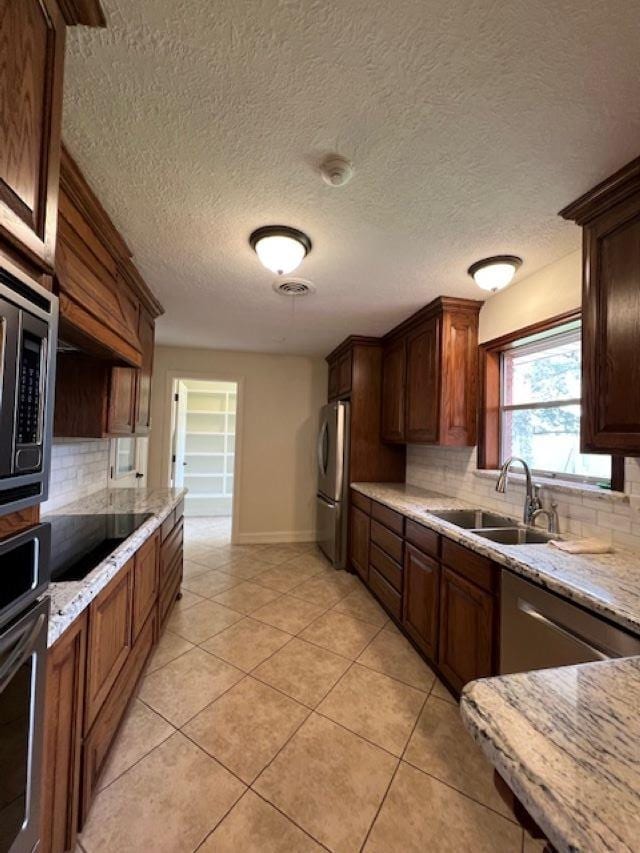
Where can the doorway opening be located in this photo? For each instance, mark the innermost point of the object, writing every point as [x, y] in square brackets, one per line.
[203, 450]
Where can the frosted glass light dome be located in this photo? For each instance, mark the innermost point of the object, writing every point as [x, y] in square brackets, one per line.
[279, 248]
[495, 273]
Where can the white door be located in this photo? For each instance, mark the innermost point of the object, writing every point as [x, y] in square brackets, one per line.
[178, 462]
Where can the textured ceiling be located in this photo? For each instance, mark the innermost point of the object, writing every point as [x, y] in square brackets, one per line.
[470, 124]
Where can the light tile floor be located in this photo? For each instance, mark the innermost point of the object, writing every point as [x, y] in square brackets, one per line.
[282, 711]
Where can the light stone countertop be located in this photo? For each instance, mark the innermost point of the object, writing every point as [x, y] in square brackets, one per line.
[608, 584]
[567, 742]
[70, 598]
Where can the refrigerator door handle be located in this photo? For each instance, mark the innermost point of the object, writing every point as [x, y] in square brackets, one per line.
[323, 452]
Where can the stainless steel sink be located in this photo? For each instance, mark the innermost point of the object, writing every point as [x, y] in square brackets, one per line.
[472, 519]
[516, 536]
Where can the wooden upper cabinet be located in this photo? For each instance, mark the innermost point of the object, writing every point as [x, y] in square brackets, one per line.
[429, 375]
[345, 363]
[122, 401]
[393, 391]
[146, 334]
[32, 35]
[423, 382]
[610, 217]
[332, 390]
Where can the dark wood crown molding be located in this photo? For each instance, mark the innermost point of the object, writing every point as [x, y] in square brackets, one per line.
[437, 306]
[352, 341]
[616, 188]
[86, 12]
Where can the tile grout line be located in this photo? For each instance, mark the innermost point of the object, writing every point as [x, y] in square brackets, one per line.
[393, 776]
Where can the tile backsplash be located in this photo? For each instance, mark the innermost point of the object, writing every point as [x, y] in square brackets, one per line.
[610, 516]
[79, 468]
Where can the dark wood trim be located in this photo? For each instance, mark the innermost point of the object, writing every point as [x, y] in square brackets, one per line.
[437, 306]
[489, 384]
[617, 473]
[86, 12]
[611, 191]
[532, 329]
[352, 341]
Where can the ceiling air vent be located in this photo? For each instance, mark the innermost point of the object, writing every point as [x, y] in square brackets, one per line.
[293, 287]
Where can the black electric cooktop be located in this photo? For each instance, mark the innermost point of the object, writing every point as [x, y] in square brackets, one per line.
[80, 542]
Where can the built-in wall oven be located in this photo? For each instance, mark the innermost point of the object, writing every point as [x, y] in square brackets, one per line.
[24, 616]
[28, 337]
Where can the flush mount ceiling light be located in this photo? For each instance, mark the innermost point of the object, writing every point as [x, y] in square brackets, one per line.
[496, 272]
[280, 249]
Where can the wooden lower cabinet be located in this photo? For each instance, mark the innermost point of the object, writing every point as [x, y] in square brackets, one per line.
[92, 673]
[360, 526]
[444, 596]
[421, 600]
[467, 630]
[102, 734]
[110, 638]
[64, 702]
[145, 582]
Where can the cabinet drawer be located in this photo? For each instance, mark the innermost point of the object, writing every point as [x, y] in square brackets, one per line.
[476, 568]
[167, 525]
[389, 517]
[423, 538]
[100, 738]
[169, 592]
[387, 540]
[145, 582]
[362, 502]
[387, 595]
[110, 638]
[387, 567]
[169, 549]
[179, 511]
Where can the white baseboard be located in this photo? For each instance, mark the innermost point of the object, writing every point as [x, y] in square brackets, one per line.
[274, 536]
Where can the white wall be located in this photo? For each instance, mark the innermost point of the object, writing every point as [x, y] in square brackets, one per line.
[452, 471]
[552, 290]
[279, 400]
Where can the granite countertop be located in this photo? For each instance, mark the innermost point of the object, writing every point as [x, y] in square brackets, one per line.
[608, 584]
[567, 742]
[70, 598]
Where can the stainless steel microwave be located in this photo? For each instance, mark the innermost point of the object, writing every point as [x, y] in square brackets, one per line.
[28, 335]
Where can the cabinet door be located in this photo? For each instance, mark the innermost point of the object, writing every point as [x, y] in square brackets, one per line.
[611, 332]
[146, 332]
[359, 542]
[344, 373]
[393, 392]
[62, 739]
[333, 381]
[145, 582]
[110, 639]
[467, 618]
[459, 378]
[423, 383]
[421, 599]
[32, 36]
[122, 390]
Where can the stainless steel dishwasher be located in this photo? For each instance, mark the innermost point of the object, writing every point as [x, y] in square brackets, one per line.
[539, 629]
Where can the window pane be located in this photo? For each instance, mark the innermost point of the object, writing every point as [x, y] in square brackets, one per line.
[549, 440]
[125, 456]
[542, 372]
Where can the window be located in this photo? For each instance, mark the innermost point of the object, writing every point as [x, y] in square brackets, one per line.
[531, 405]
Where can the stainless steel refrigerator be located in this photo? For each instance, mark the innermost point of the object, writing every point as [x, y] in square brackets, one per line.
[333, 485]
